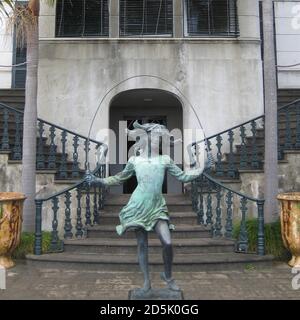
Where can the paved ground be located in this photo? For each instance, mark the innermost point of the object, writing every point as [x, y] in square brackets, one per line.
[269, 283]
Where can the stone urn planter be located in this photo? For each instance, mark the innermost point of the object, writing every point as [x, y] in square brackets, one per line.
[11, 210]
[290, 224]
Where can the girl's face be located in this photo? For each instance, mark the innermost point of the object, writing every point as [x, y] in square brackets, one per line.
[154, 144]
[155, 141]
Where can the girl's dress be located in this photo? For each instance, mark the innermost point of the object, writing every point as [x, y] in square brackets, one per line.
[147, 205]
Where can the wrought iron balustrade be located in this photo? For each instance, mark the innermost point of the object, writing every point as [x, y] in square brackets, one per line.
[58, 148]
[242, 146]
[71, 211]
[288, 128]
[218, 206]
[11, 131]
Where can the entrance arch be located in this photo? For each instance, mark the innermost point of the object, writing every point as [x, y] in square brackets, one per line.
[145, 105]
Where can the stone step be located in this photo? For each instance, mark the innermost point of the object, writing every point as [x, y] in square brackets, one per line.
[17, 102]
[129, 246]
[12, 92]
[286, 96]
[188, 218]
[288, 92]
[126, 262]
[282, 125]
[173, 199]
[180, 232]
[171, 207]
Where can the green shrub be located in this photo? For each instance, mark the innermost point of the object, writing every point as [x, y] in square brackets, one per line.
[26, 245]
[273, 239]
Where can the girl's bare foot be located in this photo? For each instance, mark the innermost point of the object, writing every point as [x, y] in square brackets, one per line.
[171, 284]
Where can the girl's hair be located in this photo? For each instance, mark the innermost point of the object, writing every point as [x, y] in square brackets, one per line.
[141, 133]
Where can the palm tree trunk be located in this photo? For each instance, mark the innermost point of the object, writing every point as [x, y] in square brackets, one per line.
[271, 140]
[30, 129]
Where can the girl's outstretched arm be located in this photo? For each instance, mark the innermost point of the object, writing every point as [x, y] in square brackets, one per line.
[117, 179]
[183, 176]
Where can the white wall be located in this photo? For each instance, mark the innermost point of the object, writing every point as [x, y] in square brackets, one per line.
[222, 78]
[6, 55]
[287, 17]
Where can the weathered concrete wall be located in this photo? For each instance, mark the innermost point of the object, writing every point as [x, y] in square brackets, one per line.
[287, 17]
[288, 176]
[221, 77]
[10, 181]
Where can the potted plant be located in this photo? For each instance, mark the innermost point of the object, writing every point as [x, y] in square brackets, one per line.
[11, 210]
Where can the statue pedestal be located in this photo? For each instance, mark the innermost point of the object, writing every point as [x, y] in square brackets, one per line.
[155, 294]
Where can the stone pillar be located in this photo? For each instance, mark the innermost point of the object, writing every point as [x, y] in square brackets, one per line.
[178, 19]
[114, 19]
[270, 86]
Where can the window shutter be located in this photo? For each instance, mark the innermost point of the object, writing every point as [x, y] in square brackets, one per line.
[211, 18]
[19, 56]
[20, 71]
[146, 18]
[82, 18]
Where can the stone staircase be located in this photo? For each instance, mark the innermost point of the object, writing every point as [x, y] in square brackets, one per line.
[284, 97]
[260, 145]
[194, 247]
[15, 98]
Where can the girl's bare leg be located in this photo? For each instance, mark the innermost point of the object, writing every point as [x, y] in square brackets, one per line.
[163, 232]
[142, 241]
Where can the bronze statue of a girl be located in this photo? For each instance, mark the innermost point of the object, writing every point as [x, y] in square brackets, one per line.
[146, 209]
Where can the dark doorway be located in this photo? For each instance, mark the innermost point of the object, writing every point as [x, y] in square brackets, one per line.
[145, 105]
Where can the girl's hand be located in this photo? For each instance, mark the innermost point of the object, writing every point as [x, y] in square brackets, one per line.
[92, 180]
[89, 179]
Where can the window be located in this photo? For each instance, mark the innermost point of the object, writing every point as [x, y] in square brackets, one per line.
[19, 57]
[19, 72]
[146, 18]
[211, 18]
[82, 18]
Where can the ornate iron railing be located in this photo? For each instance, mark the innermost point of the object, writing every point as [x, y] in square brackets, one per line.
[289, 128]
[218, 206]
[11, 120]
[237, 148]
[54, 144]
[71, 211]
[81, 207]
[242, 146]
